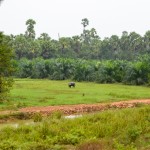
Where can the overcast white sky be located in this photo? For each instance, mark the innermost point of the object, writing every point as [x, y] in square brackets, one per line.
[108, 17]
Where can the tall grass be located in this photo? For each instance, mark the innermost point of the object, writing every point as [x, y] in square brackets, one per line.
[127, 129]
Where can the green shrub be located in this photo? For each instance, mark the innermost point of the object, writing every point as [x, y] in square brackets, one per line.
[38, 146]
[134, 133]
[37, 117]
[56, 115]
[67, 139]
[8, 145]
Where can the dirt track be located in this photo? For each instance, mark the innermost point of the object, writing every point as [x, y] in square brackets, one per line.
[83, 108]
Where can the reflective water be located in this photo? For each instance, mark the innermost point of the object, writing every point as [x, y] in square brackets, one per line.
[73, 116]
[16, 124]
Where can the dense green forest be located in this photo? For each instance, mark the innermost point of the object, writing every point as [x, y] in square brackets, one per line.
[84, 57]
[108, 71]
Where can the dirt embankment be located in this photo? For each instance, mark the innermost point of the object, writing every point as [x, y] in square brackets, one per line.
[84, 108]
[79, 108]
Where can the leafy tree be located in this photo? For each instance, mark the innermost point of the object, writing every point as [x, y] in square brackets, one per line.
[85, 34]
[136, 42]
[33, 49]
[76, 44]
[26, 48]
[88, 45]
[47, 50]
[62, 69]
[44, 36]
[6, 67]
[105, 47]
[85, 22]
[147, 41]
[38, 68]
[30, 33]
[20, 46]
[65, 47]
[25, 68]
[90, 42]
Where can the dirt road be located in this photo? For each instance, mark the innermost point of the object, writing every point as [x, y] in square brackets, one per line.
[83, 108]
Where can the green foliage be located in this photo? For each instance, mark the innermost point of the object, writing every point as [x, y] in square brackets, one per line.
[24, 69]
[56, 115]
[37, 117]
[119, 146]
[38, 146]
[8, 145]
[87, 45]
[30, 33]
[134, 133]
[134, 73]
[6, 67]
[137, 73]
[67, 139]
[126, 129]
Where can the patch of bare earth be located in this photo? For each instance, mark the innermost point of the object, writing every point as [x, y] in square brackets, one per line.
[84, 108]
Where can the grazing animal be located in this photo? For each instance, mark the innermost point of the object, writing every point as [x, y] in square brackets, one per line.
[71, 84]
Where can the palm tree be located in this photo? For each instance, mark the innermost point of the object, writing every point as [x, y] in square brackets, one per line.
[30, 33]
[85, 22]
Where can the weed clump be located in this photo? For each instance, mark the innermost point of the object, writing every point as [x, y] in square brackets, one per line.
[37, 117]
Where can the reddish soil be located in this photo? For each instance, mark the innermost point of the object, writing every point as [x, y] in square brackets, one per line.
[80, 108]
[84, 108]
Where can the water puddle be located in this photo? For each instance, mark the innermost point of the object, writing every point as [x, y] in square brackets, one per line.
[16, 124]
[72, 116]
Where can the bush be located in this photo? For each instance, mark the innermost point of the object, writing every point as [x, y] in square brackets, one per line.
[8, 145]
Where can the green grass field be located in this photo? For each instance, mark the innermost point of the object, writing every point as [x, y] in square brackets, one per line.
[126, 129]
[35, 92]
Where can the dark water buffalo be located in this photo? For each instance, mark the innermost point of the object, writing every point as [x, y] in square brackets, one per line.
[71, 84]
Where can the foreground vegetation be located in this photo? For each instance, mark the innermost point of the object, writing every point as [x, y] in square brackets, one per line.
[127, 129]
[36, 92]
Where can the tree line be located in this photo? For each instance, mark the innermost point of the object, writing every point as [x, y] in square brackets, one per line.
[83, 57]
[107, 71]
[87, 45]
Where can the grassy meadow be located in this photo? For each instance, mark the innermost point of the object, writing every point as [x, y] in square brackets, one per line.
[36, 92]
[126, 129]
